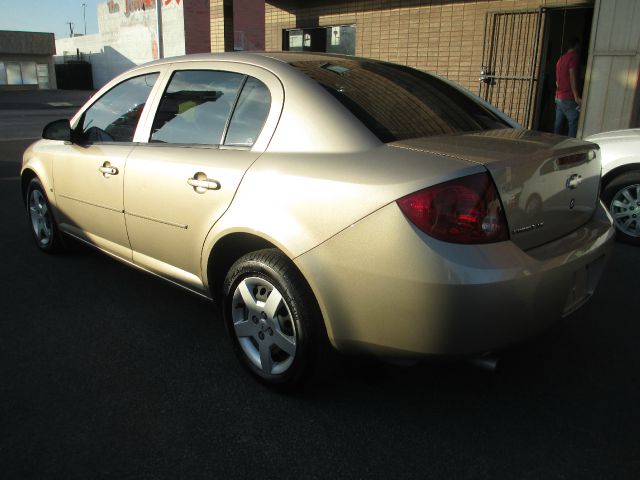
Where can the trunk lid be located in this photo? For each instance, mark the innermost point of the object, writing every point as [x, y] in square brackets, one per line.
[548, 184]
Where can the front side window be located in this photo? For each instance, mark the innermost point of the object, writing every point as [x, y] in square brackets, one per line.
[195, 107]
[114, 117]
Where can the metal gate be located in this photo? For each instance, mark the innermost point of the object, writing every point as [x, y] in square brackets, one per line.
[511, 62]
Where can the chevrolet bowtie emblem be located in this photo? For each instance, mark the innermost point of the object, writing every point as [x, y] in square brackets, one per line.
[573, 181]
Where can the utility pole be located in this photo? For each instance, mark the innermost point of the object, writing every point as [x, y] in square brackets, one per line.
[84, 15]
[70, 28]
[159, 28]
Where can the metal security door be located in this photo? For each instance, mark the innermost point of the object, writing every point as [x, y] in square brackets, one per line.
[511, 63]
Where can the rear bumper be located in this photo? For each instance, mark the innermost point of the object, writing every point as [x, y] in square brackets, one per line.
[386, 288]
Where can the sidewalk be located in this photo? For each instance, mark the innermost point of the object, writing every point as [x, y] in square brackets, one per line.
[37, 99]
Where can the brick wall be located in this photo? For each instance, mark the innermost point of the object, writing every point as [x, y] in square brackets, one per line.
[248, 22]
[197, 34]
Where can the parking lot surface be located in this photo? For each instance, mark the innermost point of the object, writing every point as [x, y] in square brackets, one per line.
[106, 372]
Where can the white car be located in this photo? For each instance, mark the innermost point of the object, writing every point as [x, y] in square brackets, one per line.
[620, 191]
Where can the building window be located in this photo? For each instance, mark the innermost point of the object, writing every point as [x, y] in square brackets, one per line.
[293, 40]
[18, 73]
[43, 75]
[29, 75]
[342, 39]
[14, 75]
[335, 39]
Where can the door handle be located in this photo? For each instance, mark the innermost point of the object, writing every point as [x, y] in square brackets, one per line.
[201, 183]
[107, 170]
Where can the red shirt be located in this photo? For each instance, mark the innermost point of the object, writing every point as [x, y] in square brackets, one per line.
[568, 61]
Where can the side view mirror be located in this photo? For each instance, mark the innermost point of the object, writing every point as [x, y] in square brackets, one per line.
[58, 130]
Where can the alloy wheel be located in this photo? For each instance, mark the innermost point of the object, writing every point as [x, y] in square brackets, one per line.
[263, 324]
[625, 210]
[40, 218]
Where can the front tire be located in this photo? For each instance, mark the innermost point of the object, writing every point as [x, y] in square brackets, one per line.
[622, 197]
[272, 318]
[43, 225]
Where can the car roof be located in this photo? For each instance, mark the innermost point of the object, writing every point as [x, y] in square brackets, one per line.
[271, 60]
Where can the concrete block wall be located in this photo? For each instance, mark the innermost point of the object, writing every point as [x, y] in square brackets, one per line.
[445, 38]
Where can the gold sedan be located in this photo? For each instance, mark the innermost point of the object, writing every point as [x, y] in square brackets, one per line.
[327, 202]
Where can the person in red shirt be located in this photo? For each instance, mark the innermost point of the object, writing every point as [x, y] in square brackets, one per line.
[568, 98]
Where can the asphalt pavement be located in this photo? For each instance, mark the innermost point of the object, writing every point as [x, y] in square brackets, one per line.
[23, 115]
[106, 372]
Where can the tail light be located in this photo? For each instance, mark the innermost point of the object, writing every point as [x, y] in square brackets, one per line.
[464, 210]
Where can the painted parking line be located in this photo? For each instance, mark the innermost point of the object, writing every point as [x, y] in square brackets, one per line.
[60, 104]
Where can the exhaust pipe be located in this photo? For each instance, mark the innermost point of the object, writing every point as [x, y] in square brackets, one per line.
[487, 362]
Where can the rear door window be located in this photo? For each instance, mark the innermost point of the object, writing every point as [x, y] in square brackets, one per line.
[195, 107]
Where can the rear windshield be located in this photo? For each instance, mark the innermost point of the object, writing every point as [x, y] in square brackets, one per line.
[397, 102]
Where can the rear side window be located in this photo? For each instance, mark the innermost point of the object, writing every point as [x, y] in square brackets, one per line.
[114, 116]
[250, 114]
[195, 107]
[397, 102]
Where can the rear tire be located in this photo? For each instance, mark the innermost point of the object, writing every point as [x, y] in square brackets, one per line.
[622, 197]
[43, 226]
[273, 319]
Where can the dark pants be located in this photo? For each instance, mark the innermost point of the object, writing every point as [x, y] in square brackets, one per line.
[566, 109]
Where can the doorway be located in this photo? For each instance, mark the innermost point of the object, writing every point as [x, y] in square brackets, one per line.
[561, 25]
[521, 48]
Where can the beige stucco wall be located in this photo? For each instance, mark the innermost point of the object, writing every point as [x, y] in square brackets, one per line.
[125, 40]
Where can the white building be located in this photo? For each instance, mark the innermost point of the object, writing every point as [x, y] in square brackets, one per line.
[127, 35]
